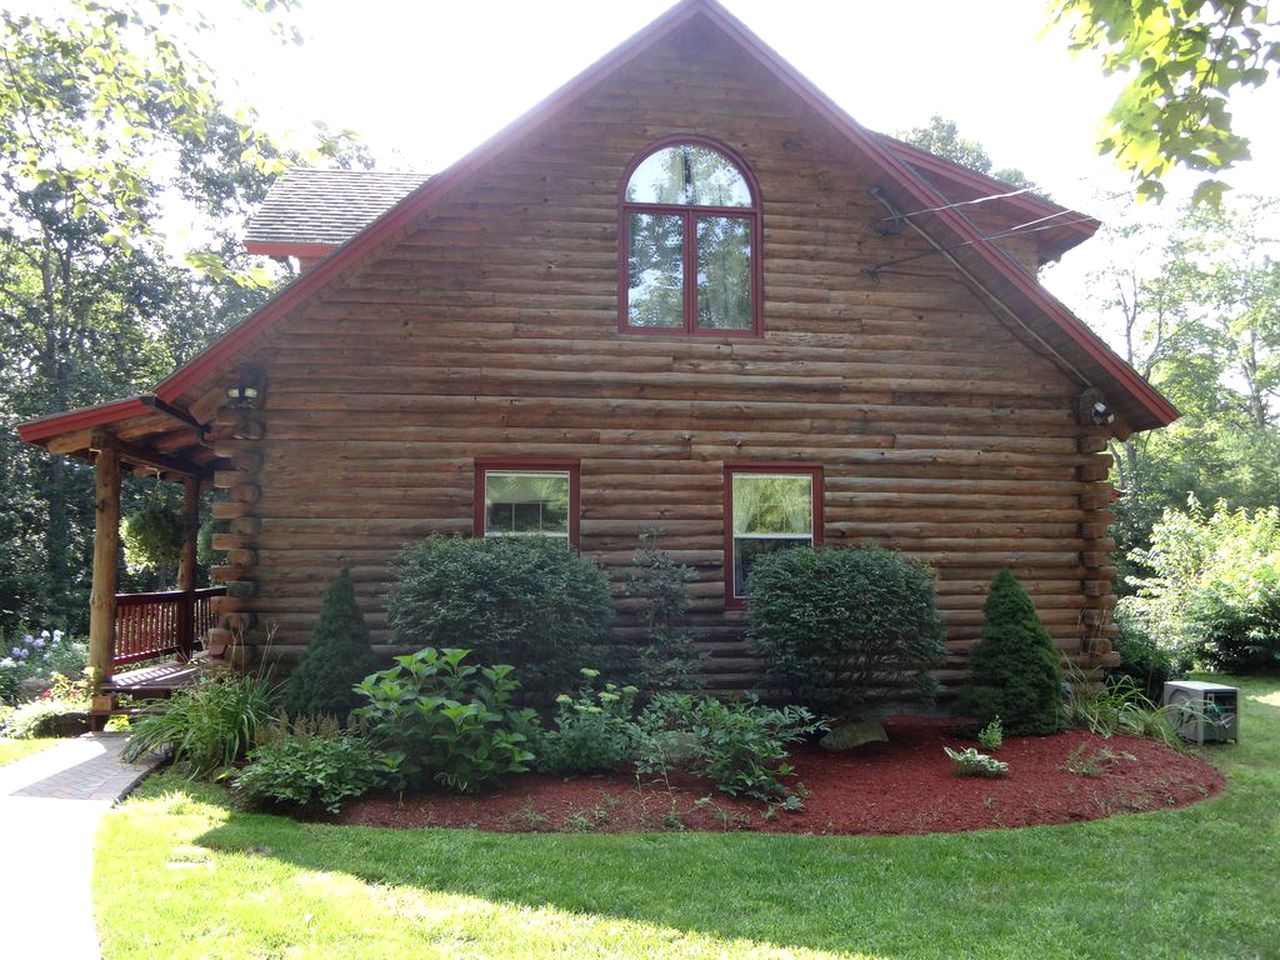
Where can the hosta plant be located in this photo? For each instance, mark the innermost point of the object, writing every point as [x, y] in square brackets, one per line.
[971, 763]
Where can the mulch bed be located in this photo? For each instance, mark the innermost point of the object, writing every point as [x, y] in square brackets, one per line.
[903, 786]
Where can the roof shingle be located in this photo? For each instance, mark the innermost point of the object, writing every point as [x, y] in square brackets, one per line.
[327, 207]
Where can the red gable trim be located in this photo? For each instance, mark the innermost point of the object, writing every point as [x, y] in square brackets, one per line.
[34, 431]
[403, 215]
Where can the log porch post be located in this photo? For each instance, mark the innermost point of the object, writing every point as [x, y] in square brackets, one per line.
[106, 551]
[187, 566]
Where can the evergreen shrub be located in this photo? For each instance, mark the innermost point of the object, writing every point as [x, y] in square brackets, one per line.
[338, 657]
[1015, 669]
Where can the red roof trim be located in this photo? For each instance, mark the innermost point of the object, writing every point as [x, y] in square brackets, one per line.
[277, 249]
[408, 210]
[113, 411]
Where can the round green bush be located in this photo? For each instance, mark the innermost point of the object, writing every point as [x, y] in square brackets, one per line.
[838, 629]
[1016, 671]
[526, 601]
[339, 657]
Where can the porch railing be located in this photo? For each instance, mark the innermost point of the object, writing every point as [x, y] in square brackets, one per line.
[152, 625]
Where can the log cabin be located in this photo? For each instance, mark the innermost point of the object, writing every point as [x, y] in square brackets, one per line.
[687, 291]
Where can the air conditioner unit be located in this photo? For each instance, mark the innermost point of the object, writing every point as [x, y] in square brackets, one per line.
[1203, 712]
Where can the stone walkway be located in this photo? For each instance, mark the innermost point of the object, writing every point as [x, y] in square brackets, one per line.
[50, 806]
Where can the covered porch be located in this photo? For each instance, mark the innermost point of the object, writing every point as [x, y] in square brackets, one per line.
[140, 644]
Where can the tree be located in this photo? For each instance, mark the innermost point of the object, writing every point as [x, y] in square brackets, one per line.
[942, 138]
[1185, 58]
[95, 103]
[338, 657]
[1014, 669]
[1196, 309]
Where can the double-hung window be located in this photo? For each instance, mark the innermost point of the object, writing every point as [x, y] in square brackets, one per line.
[521, 498]
[768, 507]
[689, 242]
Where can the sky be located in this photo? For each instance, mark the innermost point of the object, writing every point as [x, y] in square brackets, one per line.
[424, 82]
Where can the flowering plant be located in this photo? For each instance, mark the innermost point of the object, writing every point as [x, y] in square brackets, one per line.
[38, 657]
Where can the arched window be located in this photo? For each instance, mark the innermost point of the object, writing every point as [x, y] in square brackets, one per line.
[689, 242]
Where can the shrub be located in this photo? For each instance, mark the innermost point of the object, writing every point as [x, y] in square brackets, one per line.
[313, 765]
[40, 717]
[449, 722]
[205, 727]
[668, 659]
[738, 745]
[1214, 594]
[338, 658]
[1142, 659]
[32, 660]
[594, 731]
[992, 735]
[520, 600]
[1015, 667]
[839, 628]
[971, 763]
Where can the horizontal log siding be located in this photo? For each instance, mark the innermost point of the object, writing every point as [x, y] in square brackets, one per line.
[491, 331]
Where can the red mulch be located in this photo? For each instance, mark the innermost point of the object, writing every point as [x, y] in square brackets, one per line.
[903, 786]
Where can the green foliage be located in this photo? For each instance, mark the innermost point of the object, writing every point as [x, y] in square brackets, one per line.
[1119, 707]
[206, 727]
[839, 629]
[522, 600]
[992, 735]
[1146, 663]
[338, 657]
[447, 721]
[1014, 669]
[942, 138]
[1214, 596]
[594, 731]
[971, 763]
[313, 765]
[154, 533]
[36, 660]
[668, 660]
[1183, 60]
[39, 717]
[738, 745]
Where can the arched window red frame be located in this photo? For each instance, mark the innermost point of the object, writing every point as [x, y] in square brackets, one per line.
[689, 214]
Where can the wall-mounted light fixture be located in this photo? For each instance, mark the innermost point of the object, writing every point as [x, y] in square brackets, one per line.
[246, 391]
[1091, 408]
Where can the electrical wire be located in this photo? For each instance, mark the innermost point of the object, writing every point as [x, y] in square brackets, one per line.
[1021, 230]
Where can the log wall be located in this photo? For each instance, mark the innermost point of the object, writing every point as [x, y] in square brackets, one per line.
[490, 331]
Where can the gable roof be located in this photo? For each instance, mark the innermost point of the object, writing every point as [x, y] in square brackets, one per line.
[324, 208]
[999, 275]
[309, 212]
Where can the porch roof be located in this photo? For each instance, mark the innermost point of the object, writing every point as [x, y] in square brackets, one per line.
[150, 435]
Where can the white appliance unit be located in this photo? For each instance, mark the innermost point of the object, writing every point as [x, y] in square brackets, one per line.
[1206, 712]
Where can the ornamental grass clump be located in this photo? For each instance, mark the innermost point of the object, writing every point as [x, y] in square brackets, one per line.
[1015, 671]
[528, 601]
[338, 658]
[842, 629]
[206, 727]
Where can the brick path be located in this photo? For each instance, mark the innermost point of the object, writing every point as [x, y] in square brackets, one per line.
[50, 806]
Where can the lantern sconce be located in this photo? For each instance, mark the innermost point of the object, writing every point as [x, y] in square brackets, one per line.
[1093, 409]
[247, 391]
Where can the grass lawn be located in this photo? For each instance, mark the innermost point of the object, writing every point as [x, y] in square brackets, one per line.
[179, 874]
[11, 750]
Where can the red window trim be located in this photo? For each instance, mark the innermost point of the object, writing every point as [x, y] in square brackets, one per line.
[573, 467]
[690, 214]
[765, 466]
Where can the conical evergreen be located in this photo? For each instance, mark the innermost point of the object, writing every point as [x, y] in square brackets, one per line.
[338, 657]
[1016, 672]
